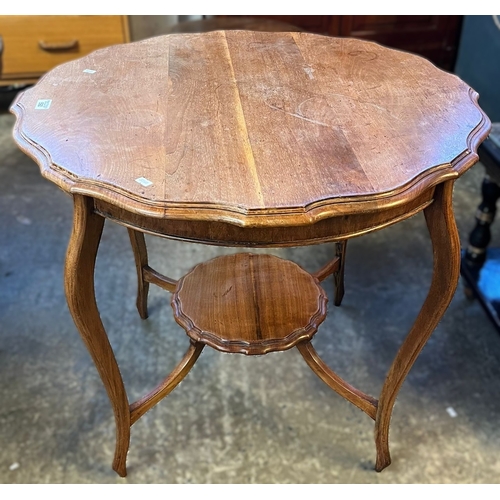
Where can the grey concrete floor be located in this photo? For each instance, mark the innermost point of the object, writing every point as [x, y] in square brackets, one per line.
[234, 419]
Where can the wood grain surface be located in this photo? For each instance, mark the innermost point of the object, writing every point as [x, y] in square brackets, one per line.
[251, 128]
[250, 304]
[36, 44]
[336, 228]
[246, 138]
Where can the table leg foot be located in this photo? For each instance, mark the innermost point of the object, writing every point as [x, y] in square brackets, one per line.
[383, 460]
[446, 250]
[469, 293]
[139, 248]
[80, 295]
[120, 464]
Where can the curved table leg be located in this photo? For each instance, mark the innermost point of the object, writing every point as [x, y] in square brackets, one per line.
[141, 260]
[446, 250]
[80, 294]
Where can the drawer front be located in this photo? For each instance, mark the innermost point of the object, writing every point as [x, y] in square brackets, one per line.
[35, 44]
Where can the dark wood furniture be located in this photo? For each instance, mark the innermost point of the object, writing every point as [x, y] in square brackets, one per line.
[251, 139]
[480, 267]
[434, 37]
[232, 23]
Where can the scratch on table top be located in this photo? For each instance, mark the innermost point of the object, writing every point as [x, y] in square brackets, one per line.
[309, 72]
[297, 115]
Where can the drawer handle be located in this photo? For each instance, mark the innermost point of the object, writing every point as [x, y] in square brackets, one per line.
[71, 44]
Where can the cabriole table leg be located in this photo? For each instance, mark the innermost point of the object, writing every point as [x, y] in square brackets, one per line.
[446, 249]
[80, 294]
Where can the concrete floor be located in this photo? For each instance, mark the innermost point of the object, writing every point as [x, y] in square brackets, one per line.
[234, 419]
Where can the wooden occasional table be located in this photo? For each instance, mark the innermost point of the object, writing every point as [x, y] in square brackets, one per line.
[251, 139]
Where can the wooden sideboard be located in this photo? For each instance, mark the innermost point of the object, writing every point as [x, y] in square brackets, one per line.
[35, 44]
[433, 37]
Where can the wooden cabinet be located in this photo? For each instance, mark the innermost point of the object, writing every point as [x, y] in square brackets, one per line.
[433, 37]
[35, 44]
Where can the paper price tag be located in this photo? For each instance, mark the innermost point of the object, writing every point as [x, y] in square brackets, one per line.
[43, 103]
[144, 182]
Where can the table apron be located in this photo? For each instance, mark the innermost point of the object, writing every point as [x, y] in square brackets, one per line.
[224, 234]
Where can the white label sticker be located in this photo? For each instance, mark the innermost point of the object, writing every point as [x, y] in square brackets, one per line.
[144, 182]
[43, 104]
[91, 71]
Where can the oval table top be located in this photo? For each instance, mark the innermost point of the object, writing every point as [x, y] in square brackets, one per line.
[252, 128]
